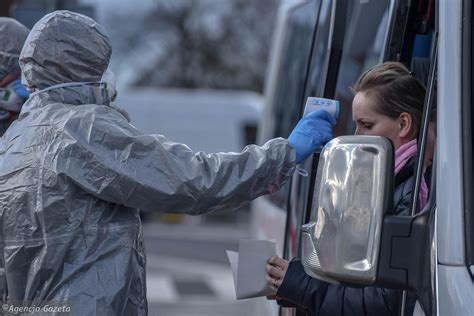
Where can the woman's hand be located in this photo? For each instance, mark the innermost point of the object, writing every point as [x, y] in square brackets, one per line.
[276, 269]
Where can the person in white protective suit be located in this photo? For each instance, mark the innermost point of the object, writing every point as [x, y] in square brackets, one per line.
[74, 172]
[12, 93]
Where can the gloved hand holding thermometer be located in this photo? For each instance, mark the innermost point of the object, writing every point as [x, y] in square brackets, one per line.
[13, 96]
[314, 130]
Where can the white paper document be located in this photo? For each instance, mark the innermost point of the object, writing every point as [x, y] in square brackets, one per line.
[248, 267]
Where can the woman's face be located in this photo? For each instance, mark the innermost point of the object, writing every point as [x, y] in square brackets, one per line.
[370, 122]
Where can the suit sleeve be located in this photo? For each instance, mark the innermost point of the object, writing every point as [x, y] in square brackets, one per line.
[109, 158]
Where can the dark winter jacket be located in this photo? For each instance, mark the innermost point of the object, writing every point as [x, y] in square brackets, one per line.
[315, 297]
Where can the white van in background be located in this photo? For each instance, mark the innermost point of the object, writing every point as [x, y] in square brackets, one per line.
[205, 120]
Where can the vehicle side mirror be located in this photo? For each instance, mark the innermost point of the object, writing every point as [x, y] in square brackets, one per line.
[353, 190]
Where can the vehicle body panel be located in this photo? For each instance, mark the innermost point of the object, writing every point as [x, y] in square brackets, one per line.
[449, 144]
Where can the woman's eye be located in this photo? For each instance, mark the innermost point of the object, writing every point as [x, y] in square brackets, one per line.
[367, 126]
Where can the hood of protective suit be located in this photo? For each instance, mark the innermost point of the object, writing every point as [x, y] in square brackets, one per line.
[64, 47]
[12, 37]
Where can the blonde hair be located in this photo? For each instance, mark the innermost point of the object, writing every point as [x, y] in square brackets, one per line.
[396, 91]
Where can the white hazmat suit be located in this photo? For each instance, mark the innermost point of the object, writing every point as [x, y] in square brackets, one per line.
[12, 37]
[74, 172]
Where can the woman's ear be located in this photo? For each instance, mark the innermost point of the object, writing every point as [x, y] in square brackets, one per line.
[405, 122]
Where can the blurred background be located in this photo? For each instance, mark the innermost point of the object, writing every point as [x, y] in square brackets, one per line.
[194, 71]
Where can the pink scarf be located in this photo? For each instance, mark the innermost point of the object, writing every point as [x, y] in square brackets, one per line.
[402, 156]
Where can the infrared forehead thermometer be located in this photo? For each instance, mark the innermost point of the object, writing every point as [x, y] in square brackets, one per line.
[9, 100]
[316, 103]
[328, 105]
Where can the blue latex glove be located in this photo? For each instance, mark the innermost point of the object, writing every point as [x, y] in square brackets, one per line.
[20, 89]
[312, 132]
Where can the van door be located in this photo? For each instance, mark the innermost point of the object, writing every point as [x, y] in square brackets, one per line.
[337, 61]
[284, 90]
[350, 38]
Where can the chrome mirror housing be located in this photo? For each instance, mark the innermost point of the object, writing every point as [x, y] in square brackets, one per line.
[353, 189]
